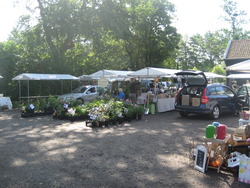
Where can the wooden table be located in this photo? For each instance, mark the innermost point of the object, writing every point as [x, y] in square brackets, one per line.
[5, 101]
[216, 149]
[165, 104]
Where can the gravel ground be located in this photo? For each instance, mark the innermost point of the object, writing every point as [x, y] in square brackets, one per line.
[154, 152]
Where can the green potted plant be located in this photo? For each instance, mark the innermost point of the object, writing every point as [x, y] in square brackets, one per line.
[28, 110]
[50, 107]
[140, 110]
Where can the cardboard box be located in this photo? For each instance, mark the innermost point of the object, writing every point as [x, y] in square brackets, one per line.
[196, 101]
[185, 100]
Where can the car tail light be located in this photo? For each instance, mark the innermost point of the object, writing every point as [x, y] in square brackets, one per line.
[204, 98]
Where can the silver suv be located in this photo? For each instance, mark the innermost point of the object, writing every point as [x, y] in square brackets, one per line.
[83, 93]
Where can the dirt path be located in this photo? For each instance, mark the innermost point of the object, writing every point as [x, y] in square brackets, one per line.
[153, 152]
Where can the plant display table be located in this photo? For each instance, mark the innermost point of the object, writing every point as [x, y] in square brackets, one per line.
[165, 104]
[5, 101]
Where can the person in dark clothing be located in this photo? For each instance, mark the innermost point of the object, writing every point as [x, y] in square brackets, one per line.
[133, 88]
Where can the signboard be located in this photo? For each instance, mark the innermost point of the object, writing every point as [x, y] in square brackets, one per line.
[200, 158]
[103, 82]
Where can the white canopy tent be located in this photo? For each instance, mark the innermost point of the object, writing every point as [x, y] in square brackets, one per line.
[211, 75]
[151, 72]
[111, 75]
[243, 66]
[239, 76]
[36, 76]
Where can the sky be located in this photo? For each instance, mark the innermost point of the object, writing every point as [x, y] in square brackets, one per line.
[193, 16]
[201, 16]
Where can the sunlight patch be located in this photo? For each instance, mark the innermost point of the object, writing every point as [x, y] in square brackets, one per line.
[18, 162]
[172, 161]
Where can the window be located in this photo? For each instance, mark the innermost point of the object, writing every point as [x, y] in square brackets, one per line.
[242, 91]
[211, 91]
[92, 90]
[228, 92]
[220, 90]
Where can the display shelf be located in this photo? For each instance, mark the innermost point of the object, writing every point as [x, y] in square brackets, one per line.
[216, 150]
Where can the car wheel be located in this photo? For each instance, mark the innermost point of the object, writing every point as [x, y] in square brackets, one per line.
[215, 113]
[183, 114]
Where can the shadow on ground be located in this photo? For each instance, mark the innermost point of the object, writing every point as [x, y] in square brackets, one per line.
[153, 152]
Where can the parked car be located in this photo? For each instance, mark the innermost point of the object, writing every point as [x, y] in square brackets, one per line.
[243, 95]
[199, 97]
[83, 93]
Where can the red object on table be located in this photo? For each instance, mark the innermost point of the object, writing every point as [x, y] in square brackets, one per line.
[221, 132]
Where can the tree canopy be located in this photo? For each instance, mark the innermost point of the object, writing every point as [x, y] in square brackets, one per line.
[83, 36]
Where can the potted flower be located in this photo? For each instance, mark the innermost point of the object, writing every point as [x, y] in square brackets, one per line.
[60, 109]
[28, 111]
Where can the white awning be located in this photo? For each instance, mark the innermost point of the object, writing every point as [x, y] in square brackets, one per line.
[111, 73]
[239, 76]
[243, 66]
[211, 75]
[154, 72]
[36, 76]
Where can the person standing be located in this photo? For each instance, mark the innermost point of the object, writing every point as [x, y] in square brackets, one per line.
[133, 90]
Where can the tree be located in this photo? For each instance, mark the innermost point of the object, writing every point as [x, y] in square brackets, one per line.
[8, 58]
[234, 17]
[202, 52]
[80, 37]
[143, 29]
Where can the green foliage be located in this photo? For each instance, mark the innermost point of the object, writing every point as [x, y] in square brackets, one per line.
[81, 111]
[140, 109]
[80, 37]
[234, 17]
[202, 52]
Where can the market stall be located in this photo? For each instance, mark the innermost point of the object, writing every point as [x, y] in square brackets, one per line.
[105, 78]
[35, 76]
[159, 97]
